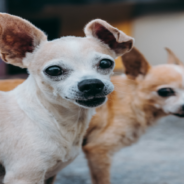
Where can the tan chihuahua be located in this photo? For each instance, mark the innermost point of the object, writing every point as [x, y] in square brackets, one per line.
[43, 120]
[141, 97]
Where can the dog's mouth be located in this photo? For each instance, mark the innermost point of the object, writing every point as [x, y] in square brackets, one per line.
[95, 102]
[179, 115]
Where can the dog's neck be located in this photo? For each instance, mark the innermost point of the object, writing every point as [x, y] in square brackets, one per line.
[61, 118]
[146, 113]
[128, 94]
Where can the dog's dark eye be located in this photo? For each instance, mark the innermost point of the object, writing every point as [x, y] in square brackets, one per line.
[105, 63]
[54, 71]
[165, 92]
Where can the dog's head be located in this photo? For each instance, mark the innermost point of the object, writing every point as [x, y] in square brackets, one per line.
[77, 69]
[159, 86]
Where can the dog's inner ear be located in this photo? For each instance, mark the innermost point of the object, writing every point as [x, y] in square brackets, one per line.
[16, 44]
[108, 38]
[114, 38]
[18, 37]
[172, 58]
[135, 64]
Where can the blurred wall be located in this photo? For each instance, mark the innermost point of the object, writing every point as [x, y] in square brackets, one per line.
[73, 18]
[136, 18]
[2, 5]
[154, 32]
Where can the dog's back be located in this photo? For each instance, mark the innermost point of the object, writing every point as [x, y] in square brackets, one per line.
[10, 84]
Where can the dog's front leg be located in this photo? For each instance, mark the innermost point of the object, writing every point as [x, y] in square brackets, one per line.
[50, 180]
[99, 161]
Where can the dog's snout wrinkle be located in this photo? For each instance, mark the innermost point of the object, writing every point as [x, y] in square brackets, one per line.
[91, 86]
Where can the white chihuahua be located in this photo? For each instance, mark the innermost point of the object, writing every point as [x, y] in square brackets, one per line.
[43, 121]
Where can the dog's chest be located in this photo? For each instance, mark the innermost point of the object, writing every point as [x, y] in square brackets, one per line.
[59, 165]
[64, 141]
[57, 132]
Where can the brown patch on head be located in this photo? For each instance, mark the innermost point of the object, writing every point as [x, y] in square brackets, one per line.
[17, 37]
[118, 41]
[135, 64]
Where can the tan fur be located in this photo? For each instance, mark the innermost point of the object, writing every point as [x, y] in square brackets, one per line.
[127, 114]
[10, 84]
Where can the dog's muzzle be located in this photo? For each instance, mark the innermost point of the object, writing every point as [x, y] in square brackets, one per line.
[180, 113]
[91, 90]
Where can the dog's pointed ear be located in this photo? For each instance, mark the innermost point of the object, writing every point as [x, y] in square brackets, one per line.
[172, 58]
[118, 41]
[135, 64]
[18, 37]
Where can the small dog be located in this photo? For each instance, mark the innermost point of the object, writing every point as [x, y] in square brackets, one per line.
[141, 97]
[43, 120]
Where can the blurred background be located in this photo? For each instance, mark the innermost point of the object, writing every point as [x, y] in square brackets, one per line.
[154, 24]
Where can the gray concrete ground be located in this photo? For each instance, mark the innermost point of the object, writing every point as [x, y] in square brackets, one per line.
[158, 158]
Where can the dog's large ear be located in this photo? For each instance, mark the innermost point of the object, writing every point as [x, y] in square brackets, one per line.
[18, 37]
[118, 41]
[172, 58]
[135, 64]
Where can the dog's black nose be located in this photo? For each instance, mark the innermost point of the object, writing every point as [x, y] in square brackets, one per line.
[91, 86]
